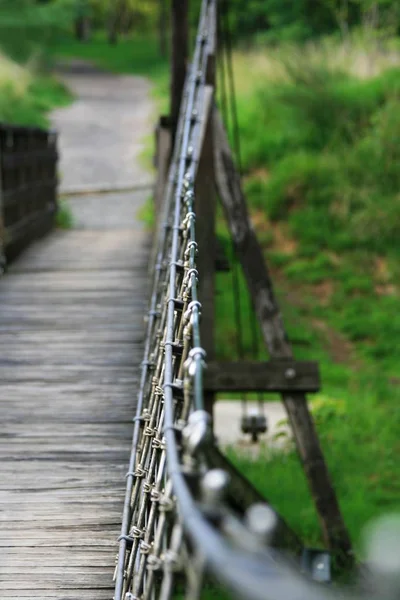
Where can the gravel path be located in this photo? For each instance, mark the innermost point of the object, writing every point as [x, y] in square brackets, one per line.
[102, 134]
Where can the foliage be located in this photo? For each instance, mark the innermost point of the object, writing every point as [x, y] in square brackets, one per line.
[29, 104]
[321, 156]
[27, 28]
[135, 14]
[146, 213]
[138, 54]
[328, 142]
[360, 444]
[275, 22]
[64, 218]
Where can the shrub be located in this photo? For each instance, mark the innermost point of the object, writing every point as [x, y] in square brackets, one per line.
[377, 155]
[28, 29]
[29, 105]
[299, 178]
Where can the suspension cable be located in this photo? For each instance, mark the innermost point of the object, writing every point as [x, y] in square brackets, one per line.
[227, 58]
[226, 114]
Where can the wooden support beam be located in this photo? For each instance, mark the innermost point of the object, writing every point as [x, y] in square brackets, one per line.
[221, 260]
[180, 44]
[205, 233]
[161, 161]
[260, 286]
[241, 495]
[256, 376]
[212, 45]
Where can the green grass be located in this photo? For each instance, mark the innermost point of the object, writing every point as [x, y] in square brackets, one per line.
[336, 191]
[31, 105]
[322, 163]
[146, 213]
[360, 444]
[64, 218]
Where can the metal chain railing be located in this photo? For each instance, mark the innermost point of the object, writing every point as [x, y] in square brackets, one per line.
[177, 523]
[152, 538]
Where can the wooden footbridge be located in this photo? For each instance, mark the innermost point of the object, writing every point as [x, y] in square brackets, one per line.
[111, 482]
[71, 336]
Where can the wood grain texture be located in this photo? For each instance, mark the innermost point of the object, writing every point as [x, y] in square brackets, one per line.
[71, 332]
[257, 376]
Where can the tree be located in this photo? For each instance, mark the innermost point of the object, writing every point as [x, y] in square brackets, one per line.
[82, 21]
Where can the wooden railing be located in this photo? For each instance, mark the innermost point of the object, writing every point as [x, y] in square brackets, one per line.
[28, 186]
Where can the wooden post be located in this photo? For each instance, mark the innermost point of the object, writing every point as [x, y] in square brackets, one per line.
[260, 286]
[115, 20]
[180, 42]
[163, 149]
[161, 162]
[206, 202]
[205, 234]
[82, 22]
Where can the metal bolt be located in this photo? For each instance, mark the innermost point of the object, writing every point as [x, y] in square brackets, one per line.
[262, 521]
[197, 432]
[290, 373]
[188, 197]
[213, 486]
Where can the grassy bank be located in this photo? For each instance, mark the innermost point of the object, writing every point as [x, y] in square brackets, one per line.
[322, 171]
[27, 95]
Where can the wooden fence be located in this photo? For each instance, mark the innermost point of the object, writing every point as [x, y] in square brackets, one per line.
[28, 186]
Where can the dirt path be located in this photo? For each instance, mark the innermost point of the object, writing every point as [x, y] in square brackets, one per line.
[102, 134]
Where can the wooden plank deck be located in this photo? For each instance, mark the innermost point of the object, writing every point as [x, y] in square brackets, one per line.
[71, 327]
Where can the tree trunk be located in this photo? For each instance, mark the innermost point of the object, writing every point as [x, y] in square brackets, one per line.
[112, 32]
[82, 29]
[116, 18]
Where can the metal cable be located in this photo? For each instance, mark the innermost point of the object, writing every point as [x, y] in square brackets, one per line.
[227, 45]
[236, 295]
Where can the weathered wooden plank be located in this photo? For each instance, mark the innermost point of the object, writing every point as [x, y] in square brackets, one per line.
[91, 581]
[205, 200]
[256, 376]
[101, 594]
[71, 330]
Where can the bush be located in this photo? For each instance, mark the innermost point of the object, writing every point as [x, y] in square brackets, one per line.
[28, 29]
[378, 152]
[315, 109]
[329, 143]
[30, 105]
[299, 178]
